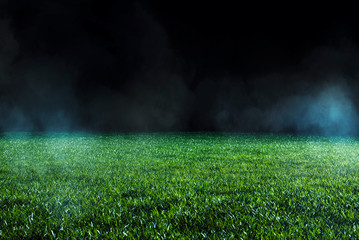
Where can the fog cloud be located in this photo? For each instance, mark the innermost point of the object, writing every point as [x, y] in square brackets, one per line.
[85, 66]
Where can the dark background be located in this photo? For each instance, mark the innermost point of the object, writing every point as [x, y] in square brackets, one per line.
[118, 66]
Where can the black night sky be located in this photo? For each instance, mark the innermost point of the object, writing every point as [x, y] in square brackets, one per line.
[128, 66]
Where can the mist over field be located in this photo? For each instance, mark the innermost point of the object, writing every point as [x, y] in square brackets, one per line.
[143, 119]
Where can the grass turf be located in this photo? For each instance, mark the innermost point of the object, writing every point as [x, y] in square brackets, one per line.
[178, 186]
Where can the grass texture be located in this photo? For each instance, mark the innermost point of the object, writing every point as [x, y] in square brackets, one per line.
[178, 186]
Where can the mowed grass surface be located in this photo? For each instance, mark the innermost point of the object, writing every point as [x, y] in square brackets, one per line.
[178, 186]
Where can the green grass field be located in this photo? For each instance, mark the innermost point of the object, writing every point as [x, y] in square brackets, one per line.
[178, 186]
